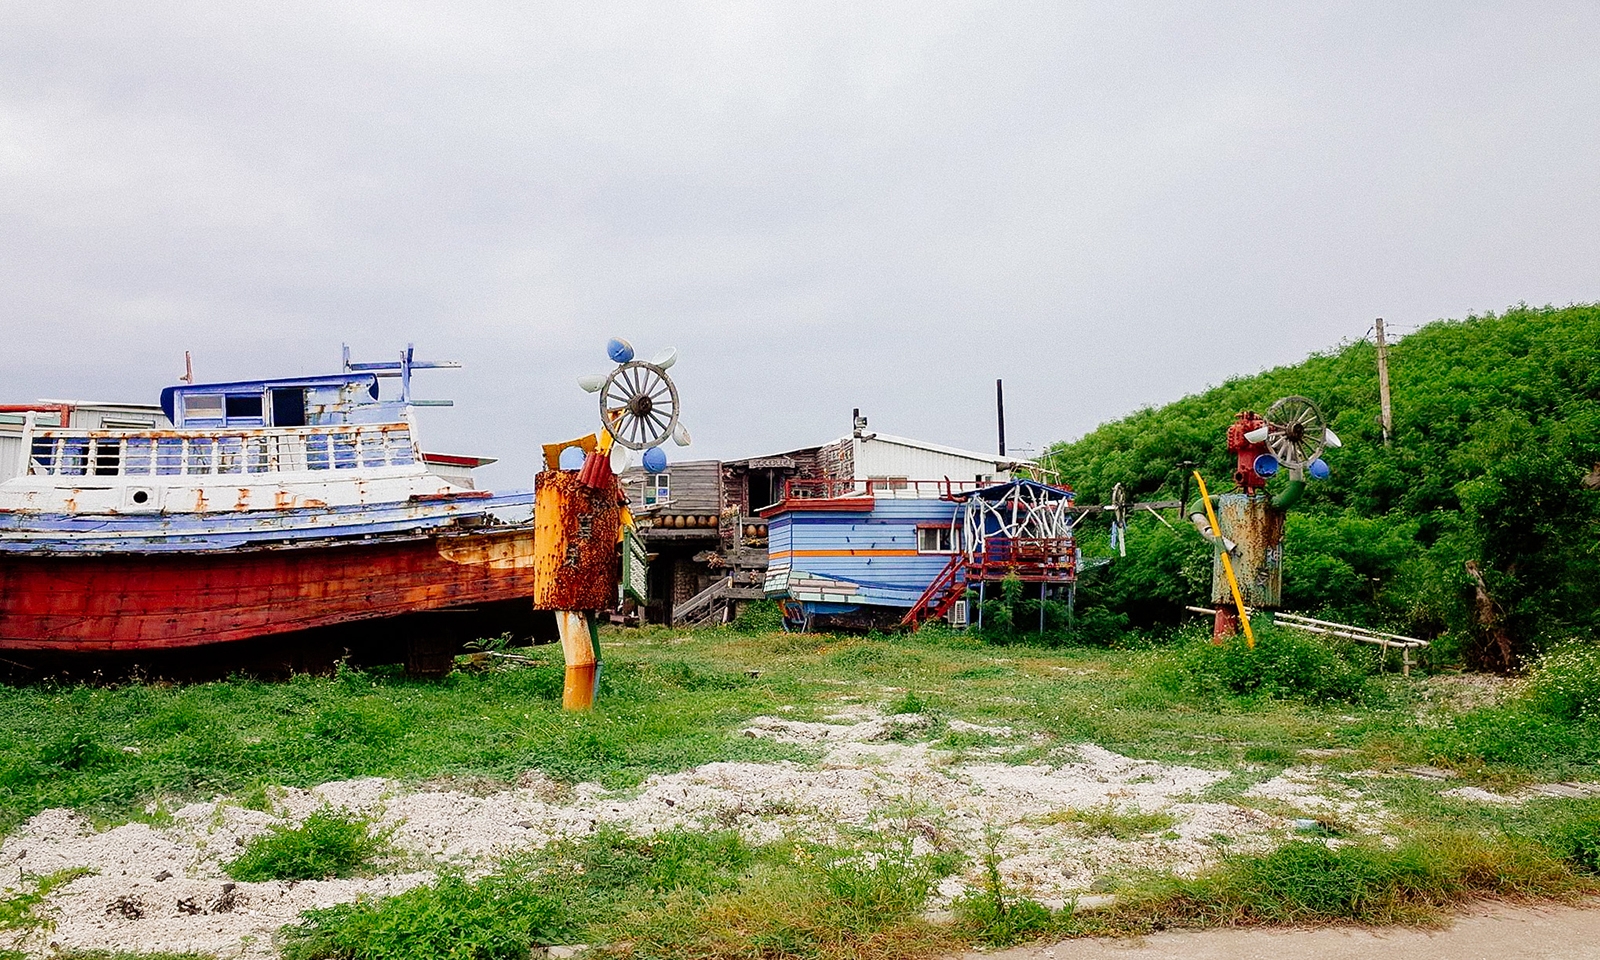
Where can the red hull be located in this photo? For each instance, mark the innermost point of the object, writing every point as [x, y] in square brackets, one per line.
[129, 603]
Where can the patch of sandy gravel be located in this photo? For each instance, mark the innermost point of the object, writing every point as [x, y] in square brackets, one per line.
[1305, 791]
[163, 887]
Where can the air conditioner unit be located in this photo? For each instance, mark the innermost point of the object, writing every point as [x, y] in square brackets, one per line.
[958, 614]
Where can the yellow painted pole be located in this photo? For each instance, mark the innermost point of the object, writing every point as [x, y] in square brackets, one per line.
[1227, 562]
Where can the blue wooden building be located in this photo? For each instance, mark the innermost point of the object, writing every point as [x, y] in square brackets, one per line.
[905, 553]
[854, 560]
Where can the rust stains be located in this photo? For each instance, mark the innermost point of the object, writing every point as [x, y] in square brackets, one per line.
[576, 531]
[496, 554]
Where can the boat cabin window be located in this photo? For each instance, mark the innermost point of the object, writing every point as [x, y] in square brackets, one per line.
[202, 406]
[288, 407]
[243, 406]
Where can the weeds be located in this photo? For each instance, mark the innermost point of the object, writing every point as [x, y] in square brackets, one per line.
[994, 916]
[1306, 882]
[908, 702]
[817, 903]
[327, 844]
[1577, 839]
[1565, 683]
[679, 894]
[496, 918]
[1107, 821]
[18, 908]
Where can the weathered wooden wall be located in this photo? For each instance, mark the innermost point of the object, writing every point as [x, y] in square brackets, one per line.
[696, 487]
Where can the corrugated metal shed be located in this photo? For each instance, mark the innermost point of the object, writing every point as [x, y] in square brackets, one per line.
[881, 455]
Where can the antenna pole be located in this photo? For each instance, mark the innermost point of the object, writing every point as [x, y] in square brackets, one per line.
[1383, 384]
[1000, 412]
[188, 368]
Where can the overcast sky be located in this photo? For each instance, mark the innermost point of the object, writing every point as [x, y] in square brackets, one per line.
[822, 205]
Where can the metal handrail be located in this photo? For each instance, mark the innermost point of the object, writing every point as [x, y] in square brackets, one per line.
[149, 453]
[888, 488]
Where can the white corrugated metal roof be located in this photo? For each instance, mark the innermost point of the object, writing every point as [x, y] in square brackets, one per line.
[993, 458]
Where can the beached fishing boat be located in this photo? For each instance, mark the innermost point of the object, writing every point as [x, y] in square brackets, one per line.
[252, 511]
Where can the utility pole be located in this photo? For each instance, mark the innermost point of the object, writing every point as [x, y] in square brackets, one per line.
[1000, 412]
[1383, 384]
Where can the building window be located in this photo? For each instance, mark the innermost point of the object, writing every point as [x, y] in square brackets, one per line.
[657, 488]
[888, 483]
[936, 540]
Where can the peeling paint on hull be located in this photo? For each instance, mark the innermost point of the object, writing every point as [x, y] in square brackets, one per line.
[145, 602]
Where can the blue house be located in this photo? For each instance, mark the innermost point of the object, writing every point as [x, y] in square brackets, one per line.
[858, 561]
[896, 554]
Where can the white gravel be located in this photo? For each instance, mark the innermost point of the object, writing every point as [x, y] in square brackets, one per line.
[163, 888]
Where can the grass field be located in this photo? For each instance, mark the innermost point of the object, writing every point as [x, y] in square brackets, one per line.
[671, 701]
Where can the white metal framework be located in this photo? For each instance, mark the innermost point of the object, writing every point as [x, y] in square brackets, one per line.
[1026, 512]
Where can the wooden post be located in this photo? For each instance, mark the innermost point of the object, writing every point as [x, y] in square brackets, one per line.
[1387, 414]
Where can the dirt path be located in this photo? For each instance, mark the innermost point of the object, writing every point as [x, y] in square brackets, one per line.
[1488, 932]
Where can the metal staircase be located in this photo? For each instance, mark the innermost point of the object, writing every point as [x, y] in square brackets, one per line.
[948, 587]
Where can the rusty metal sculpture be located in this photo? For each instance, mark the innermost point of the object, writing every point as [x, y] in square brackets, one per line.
[1246, 526]
[581, 511]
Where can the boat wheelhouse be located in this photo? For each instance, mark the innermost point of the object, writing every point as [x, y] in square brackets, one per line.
[242, 462]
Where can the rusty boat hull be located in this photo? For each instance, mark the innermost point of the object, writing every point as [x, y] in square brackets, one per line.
[400, 598]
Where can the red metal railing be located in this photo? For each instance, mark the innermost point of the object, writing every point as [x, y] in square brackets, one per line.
[890, 487]
[1031, 558]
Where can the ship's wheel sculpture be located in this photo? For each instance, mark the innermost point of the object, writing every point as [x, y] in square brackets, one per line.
[1246, 526]
[1295, 434]
[638, 404]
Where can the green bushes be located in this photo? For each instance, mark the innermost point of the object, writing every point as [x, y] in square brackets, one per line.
[1283, 665]
[760, 616]
[327, 844]
[1497, 422]
[1565, 683]
[1305, 882]
[496, 918]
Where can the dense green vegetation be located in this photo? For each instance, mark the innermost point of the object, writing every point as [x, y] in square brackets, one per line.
[1497, 428]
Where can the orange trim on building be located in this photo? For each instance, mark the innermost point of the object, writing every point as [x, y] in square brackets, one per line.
[787, 554]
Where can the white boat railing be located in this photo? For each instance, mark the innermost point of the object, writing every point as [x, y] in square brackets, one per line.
[115, 453]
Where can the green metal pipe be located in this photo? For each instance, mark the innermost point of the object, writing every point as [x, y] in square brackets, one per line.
[1290, 496]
